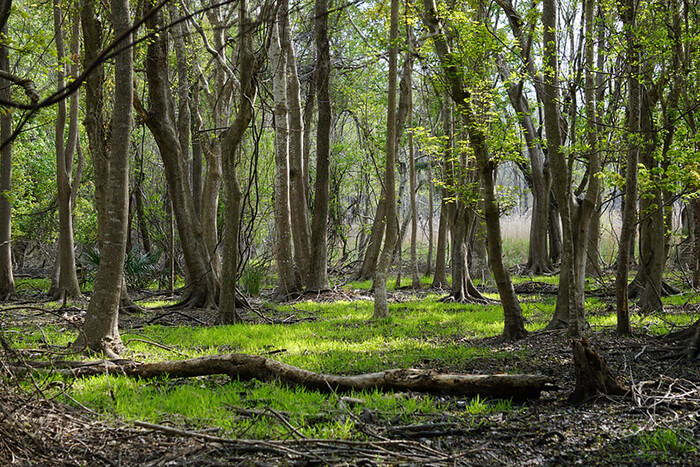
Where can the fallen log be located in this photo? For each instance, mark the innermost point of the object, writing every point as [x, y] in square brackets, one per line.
[246, 367]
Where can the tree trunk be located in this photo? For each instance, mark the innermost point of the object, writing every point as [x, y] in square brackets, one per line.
[381, 304]
[588, 206]
[440, 278]
[629, 213]
[249, 66]
[7, 281]
[203, 286]
[431, 216]
[566, 309]
[100, 330]
[513, 322]
[374, 246]
[286, 280]
[538, 259]
[652, 228]
[319, 231]
[300, 224]
[415, 276]
[67, 278]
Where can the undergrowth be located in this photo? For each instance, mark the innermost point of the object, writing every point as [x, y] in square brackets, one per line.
[334, 337]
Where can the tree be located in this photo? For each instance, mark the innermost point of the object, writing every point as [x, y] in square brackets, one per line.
[538, 175]
[381, 304]
[318, 279]
[249, 66]
[287, 283]
[7, 282]
[629, 213]
[100, 330]
[66, 281]
[464, 98]
[202, 287]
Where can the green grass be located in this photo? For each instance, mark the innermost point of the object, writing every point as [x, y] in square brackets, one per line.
[340, 338]
[665, 445]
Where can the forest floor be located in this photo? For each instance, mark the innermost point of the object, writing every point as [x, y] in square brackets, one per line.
[656, 423]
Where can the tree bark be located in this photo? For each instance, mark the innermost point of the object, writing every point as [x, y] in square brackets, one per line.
[66, 285]
[513, 323]
[440, 276]
[286, 279]
[566, 310]
[100, 330]
[629, 213]
[318, 279]
[593, 376]
[538, 261]
[7, 281]
[202, 288]
[249, 66]
[381, 304]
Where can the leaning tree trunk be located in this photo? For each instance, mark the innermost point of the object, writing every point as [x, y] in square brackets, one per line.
[203, 286]
[514, 323]
[100, 330]
[7, 281]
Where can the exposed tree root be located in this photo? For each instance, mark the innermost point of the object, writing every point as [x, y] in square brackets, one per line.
[466, 299]
[243, 366]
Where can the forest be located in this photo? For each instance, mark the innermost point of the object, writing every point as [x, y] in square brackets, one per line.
[356, 232]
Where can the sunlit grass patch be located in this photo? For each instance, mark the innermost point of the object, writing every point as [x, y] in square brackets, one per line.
[32, 284]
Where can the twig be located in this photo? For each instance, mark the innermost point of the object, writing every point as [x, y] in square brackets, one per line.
[178, 313]
[285, 422]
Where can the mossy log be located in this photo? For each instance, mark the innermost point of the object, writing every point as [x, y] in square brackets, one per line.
[246, 367]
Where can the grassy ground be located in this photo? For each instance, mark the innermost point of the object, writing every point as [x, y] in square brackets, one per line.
[335, 335]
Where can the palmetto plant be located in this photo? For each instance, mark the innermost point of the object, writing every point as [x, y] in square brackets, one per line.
[140, 269]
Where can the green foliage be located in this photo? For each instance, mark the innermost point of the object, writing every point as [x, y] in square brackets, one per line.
[254, 279]
[669, 443]
[140, 269]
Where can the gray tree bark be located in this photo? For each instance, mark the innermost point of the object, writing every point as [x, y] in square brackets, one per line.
[286, 278]
[100, 330]
[66, 285]
[318, 280]
[629, 213]
[202, 288]
[7, 281]
[381, 303]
